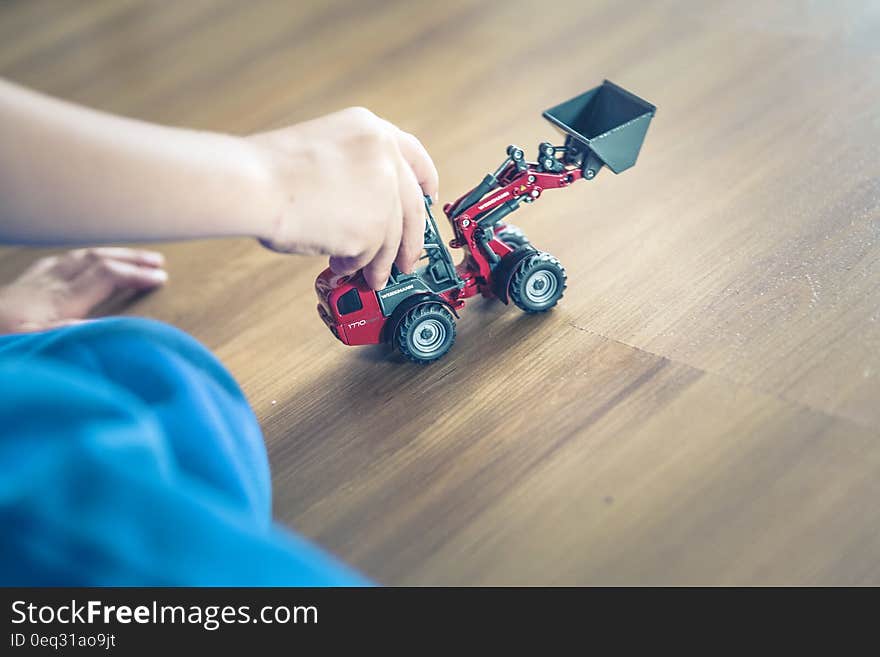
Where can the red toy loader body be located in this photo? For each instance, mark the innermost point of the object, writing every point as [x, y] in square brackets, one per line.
[416, 312]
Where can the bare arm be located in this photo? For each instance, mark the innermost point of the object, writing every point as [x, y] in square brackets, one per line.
[71, 175]
[348, 185]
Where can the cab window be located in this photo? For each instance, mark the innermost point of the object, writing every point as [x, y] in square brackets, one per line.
[349, 302]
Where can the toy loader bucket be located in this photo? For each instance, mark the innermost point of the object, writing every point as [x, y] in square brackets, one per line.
[607, 121]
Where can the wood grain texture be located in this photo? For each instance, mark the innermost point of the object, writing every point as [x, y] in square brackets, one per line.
[704, 405]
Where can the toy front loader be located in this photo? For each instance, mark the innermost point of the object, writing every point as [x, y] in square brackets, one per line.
[416, 313]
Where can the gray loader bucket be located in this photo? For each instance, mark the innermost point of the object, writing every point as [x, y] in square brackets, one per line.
[607, 121]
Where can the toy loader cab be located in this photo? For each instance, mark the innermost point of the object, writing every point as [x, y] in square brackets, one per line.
[438, 273]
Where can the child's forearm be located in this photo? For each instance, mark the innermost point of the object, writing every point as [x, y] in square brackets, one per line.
[72, 175]
[348, 185]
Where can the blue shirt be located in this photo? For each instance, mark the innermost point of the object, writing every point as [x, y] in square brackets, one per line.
[129, 456]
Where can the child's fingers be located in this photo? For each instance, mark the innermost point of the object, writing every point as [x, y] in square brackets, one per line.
[76, 261]
[378, 270]
[137, 256]
[346, 266]
[413, 232]
[43, 266]
[101, 279]
[416, 155]
[28, 327]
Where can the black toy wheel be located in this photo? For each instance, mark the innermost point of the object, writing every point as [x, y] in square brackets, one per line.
[538, 283]
[426, 332]
[513, 236]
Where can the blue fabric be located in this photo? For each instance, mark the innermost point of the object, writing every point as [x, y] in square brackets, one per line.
[129, 456]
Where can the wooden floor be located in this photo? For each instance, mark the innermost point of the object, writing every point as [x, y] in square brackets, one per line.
[702, 408]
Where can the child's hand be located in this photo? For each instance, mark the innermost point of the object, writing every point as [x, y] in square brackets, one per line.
[349, 185]
[63, 289]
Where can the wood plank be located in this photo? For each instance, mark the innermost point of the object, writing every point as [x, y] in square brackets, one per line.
[702, 407]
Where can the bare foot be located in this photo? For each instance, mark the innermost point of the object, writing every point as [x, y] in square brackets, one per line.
[64, 289]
